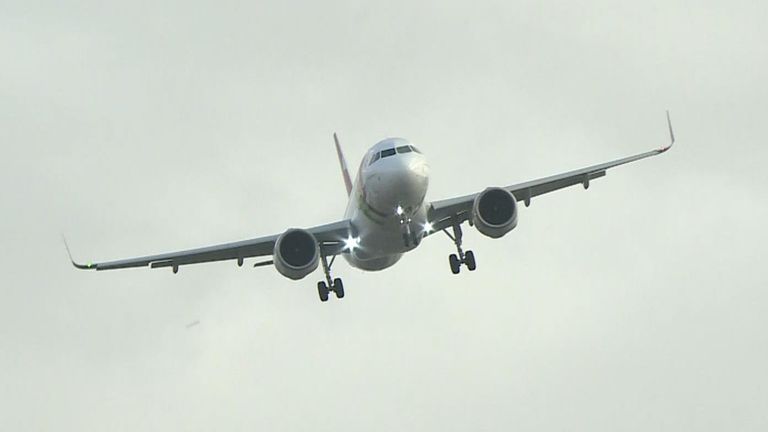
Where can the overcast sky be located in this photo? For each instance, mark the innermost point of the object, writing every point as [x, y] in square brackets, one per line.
[155, 126]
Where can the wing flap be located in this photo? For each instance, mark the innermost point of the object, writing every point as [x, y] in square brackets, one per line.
[243, 249]
[329, 237]
[456, 207]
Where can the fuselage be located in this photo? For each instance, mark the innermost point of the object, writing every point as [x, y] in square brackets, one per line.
[387, 205]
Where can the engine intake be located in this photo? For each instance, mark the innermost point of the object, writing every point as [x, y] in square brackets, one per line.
[296, 253]
[494, 212]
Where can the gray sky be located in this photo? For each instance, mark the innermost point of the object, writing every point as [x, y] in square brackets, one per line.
[153, 126]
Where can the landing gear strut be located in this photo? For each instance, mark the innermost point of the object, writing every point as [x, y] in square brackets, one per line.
[456, 260]
[329, 284]
[410, 237]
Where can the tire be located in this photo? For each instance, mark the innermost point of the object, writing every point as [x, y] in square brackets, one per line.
[469, 260]
[453, 260]
[322, 290]
[338, 288]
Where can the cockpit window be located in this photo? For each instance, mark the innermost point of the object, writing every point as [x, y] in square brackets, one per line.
[391, 152]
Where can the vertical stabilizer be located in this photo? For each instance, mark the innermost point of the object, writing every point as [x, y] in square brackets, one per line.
[343, 164]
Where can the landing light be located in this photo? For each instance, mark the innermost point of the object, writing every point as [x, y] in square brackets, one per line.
[428, 228]
[351, 243]
[399, 210]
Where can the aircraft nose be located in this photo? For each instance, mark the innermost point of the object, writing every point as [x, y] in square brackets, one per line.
[402, 183]
[409, 191]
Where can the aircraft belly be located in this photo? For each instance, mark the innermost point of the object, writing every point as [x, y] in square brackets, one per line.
[373, 264]
[381, 234]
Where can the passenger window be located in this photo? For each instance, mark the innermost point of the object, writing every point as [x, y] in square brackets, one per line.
[404, 149]
[415, 149]
[387, 152]
[374, 158]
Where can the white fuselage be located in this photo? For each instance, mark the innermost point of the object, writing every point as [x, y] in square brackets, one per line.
[387, 205]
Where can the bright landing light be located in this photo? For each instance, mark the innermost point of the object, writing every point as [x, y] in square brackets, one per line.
[351, 243]
[399, 211]
[428, 227]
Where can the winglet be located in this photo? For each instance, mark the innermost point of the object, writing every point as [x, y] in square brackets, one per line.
[88, 266]
[671, 135]
[343, 164]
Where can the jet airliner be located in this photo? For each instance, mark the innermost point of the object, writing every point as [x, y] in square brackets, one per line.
[387, 216]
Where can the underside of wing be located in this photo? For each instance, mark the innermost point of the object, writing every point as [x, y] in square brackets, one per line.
[328, 237]
[444, 213]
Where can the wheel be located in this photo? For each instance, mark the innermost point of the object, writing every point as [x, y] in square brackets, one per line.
[322, 290]
[338, 288]
[469, 260]
[455, 263]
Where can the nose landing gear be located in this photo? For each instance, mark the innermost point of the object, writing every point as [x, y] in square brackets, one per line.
[328, 285]
[456, 260]
[410, 237]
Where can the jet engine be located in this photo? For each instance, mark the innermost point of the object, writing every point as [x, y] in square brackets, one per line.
[296, 253]
[494, 212]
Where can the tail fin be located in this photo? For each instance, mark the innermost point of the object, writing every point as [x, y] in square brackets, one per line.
[343, 164]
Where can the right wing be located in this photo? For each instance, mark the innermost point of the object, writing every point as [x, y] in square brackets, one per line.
[330, 239]
[446, 213]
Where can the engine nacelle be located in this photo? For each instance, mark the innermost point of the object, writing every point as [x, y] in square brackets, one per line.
[494, 212]
[296, 253]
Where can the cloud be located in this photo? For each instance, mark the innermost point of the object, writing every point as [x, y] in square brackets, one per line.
[145, 128]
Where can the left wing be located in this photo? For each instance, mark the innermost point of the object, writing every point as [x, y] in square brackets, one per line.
[329, 238]
[446, 213]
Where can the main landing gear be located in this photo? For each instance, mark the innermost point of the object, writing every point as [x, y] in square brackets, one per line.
[456, 260]
[328, 285]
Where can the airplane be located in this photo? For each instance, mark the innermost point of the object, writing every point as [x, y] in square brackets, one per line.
[387, 215]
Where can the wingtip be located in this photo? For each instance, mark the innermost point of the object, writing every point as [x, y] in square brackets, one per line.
[671, 135]
[77, 265]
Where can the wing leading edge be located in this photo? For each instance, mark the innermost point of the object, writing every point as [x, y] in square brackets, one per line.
[329, 237]
[445, 213]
